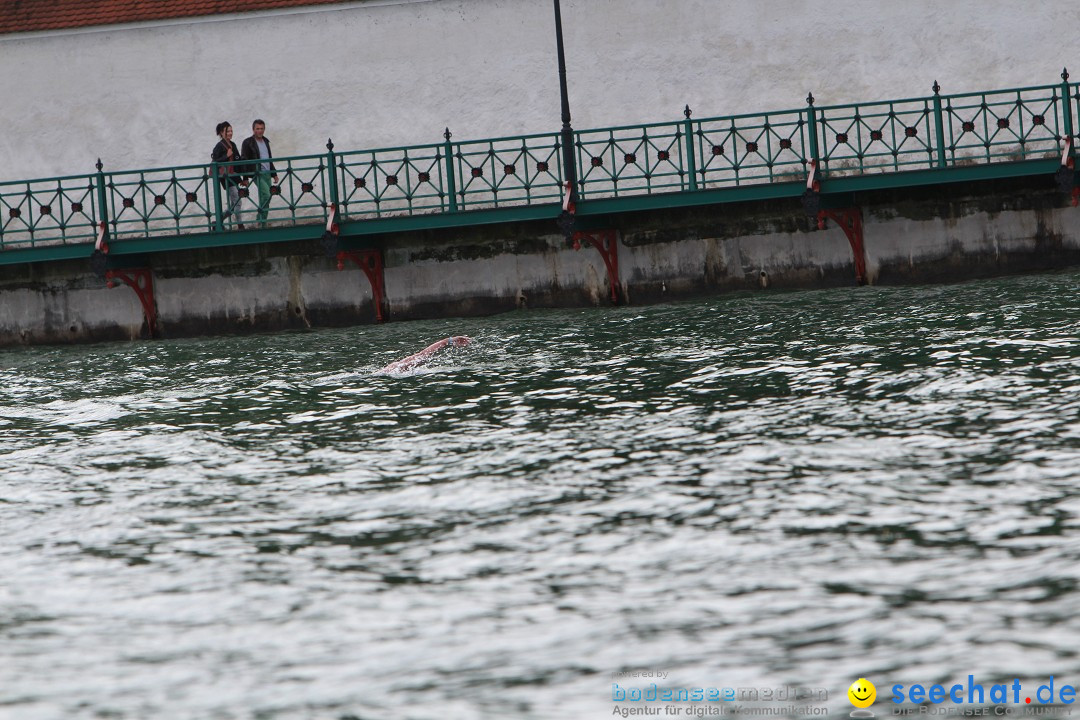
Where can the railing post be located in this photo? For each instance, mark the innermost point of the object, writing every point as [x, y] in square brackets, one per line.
[568, 217]
[811, 121]
[451, 181]
[939, 125]
[215, 183]
[331, 166]
[691, 160]
[1066, 107]
[102, 201]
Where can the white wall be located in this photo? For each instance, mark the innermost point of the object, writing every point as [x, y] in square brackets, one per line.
[390, 72]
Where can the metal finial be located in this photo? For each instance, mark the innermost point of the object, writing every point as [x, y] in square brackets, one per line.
[448, 134]
[686, 112]
[810, 99]
[99, 166]
[1065, 74]
[936, 88]
[330, 144]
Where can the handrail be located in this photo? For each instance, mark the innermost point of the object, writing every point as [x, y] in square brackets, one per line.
[60, 178]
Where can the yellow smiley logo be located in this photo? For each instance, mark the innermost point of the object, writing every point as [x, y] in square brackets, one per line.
[862, 693]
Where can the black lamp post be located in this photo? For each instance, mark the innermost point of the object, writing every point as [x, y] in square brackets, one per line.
[566, 218]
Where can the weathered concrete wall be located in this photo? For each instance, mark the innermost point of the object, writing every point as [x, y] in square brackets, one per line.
[930, 234]
[396, 72]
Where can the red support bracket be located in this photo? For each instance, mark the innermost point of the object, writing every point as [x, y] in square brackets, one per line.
[371, 262]
[141, 280]
[850, 221]
[607, 243]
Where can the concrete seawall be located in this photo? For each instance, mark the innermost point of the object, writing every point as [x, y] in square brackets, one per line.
[914, 235]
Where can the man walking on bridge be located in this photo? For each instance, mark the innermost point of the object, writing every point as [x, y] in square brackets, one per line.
[257, 148]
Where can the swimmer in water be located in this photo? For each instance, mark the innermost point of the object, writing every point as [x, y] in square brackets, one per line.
[413, 361]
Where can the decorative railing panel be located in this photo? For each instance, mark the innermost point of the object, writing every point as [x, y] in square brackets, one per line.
[751, 149]
[169, 201]
[1074, 93]
[1003, 126]
[55, 211]
[880, 137]
[632, 160]
[298, 194]
[396, 181]
[505, 172]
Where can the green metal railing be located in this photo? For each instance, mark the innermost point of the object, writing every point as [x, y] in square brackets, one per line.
[507, 172]
[396, 181]
[1074, 109]
[880, 137]
[37, 211]
[632, 160]
[158, 202]
[449, 177]
[855, 143]
[751, 149]
[1007, 125]
[299, 194]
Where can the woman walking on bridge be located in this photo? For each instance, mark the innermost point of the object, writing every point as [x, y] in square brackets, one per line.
[229, 176]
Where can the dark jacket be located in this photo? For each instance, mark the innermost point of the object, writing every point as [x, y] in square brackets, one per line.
[227, 175]
[250, 151]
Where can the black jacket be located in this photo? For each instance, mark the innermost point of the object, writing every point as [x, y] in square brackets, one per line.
[250, 151]
[227, 175]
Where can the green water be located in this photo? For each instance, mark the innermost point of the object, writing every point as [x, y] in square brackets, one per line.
[766, 490]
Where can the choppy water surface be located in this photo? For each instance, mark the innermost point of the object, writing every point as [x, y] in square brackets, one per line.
[762, 490]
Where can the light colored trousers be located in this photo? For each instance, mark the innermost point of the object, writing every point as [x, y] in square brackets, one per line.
[262, 181]
[234, 209]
